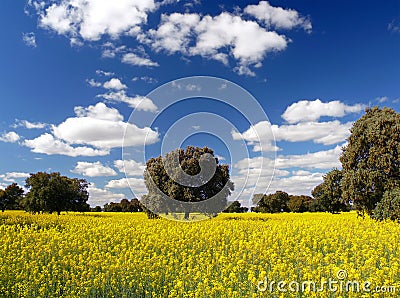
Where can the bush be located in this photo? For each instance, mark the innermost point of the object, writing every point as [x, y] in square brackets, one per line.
[389, 206]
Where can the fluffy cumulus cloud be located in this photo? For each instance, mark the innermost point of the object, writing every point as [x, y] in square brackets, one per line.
[278, 17]
[222, 37]
[102, 127]
[11, 176]
[277, 175]
[138, 102]
[321, 160]
[48, 144]
[216, 37]
[262, 135]
[29, 125]
[96, 129]
[93, 169]
[302, 117]
[100, 197]
[130, 167]
[135, 184]
[91, 19]
[115, 84]
[9, 137]
[137, 60]
[308, 110]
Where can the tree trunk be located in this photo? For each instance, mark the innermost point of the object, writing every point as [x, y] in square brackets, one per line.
[186, 215]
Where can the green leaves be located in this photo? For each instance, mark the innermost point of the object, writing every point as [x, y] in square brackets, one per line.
[371, 161]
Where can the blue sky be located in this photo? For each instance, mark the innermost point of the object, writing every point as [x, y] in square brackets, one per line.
[72, 72]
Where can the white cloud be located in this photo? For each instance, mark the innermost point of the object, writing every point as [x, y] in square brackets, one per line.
[382, 99]
[263, 134]
[134, 59]
[98, 126]
[136, 184]
[115, 84]
[100, 197]
[297, 184]
[10, 137]
[11, 176]
[259, 135]
[394, 25]
[29, 125]
[99, 111]
[326, 133]
[193, 87]
[306, 110]
[91, 19]
[104, 73]
[93, 83]
[29, 39]
[145, 79]
[278, 17]
[300, 181]
[48, 144]
[140, 103]
[130, 167]
[93, 169]
[215, 38]
[322, 160]
[102, 127]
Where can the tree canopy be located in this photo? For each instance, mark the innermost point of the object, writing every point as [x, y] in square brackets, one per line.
[371, 161]
[236, 207]
[55, 193]
[271, 203]
[187, 176]
[10, 197]
[329, 193]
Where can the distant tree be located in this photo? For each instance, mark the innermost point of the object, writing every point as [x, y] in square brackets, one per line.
[10, 197]
[371, 160]
[55, 193]
[112, 207]
[96, 209]
[124, 206]
[272, 203]
[389, 206]
[161, 180]
[299, 204]
[236, 207]
[3, 200]
[329, 193]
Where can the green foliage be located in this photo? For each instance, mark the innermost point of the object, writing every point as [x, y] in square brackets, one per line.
[124, 206]
[160, 179]
[371, 161]
[236, 207]
[299, 204]
[272, 203]
[55, 193]
[10, 197]
[329, 193]
[389, 206]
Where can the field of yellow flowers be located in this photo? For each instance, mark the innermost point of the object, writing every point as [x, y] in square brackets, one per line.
[247, 255]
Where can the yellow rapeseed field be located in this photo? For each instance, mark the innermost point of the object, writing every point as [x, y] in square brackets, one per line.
[247, 255]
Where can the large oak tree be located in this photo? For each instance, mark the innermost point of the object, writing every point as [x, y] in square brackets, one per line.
[170, 185]
[371, 161]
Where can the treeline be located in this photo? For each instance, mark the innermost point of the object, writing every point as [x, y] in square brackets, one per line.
[47, 192]
[281, 201]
